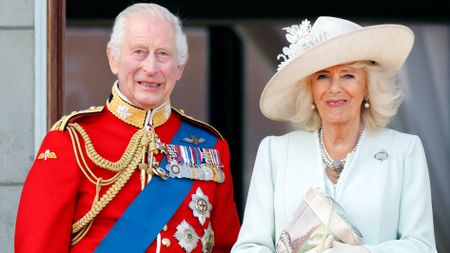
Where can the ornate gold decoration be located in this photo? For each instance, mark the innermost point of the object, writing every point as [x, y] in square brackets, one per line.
[136, 116]
[133, 157]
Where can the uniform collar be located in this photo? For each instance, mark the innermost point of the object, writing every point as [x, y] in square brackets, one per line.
[124, 110]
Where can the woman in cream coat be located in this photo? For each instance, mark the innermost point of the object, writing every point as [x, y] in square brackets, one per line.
[337, 83]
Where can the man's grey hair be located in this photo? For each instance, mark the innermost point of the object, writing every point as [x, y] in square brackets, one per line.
[153, 10]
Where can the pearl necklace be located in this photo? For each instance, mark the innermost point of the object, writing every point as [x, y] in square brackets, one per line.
[335, 165]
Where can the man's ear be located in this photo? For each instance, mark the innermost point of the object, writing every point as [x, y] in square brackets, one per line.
[181, 67]
[112, 61]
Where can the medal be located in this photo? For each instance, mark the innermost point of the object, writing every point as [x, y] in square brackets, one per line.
[186, 236]
[200, 206]
[208, 240]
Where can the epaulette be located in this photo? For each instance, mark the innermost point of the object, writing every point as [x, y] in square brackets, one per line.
[197, 122]
[62, 123]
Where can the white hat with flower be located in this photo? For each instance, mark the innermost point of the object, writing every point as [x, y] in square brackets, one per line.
[328, 42]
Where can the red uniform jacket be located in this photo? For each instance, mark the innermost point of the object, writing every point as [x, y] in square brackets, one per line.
[56, 193]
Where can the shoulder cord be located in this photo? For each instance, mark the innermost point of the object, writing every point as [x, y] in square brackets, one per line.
[102, 162]
[125, 167]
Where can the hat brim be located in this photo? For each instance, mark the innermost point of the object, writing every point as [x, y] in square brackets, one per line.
[387, 45]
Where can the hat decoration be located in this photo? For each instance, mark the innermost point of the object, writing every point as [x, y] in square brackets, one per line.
[300, 39]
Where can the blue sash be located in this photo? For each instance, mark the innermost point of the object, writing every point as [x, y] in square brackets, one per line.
[154, 206]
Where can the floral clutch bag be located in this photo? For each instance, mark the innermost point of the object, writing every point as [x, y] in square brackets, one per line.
[317, 216]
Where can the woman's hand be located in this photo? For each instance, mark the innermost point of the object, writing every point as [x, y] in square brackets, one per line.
[323, 245]
[337, 247]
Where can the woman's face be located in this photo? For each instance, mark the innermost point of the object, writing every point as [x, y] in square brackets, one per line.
[338, 93]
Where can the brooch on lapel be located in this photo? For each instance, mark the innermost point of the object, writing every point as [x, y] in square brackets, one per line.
[381, 155]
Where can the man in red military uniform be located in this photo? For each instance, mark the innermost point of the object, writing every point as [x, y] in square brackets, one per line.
[134, 175]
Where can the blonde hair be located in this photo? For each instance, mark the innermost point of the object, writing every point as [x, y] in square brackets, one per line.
[384, 93]
[153, 10]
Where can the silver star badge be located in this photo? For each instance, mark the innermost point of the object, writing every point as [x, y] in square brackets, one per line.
[186, 236]
[200, 206]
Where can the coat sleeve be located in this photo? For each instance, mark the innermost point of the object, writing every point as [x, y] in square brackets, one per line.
[415, 228]
[257, 233]
[48, 197]
[225, 220]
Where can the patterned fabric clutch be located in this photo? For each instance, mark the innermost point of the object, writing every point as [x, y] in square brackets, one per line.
[317, 216]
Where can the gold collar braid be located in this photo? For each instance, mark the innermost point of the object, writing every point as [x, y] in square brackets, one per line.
[136, 116]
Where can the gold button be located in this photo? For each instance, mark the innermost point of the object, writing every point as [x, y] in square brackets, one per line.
[164, 228]
[166, 242]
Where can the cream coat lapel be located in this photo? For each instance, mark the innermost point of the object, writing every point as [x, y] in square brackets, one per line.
[364, 182]
[297, 164]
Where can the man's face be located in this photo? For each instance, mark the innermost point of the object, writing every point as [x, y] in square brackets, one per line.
[147, 67]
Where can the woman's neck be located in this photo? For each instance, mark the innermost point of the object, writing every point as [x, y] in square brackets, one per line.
[339, 140]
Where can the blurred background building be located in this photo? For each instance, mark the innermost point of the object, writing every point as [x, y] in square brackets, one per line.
[53, 61]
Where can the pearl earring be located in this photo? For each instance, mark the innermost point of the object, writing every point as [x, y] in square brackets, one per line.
[366, 102]
[313, 107]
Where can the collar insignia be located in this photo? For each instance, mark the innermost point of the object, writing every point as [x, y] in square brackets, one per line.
[135, 116]
[123, 112]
